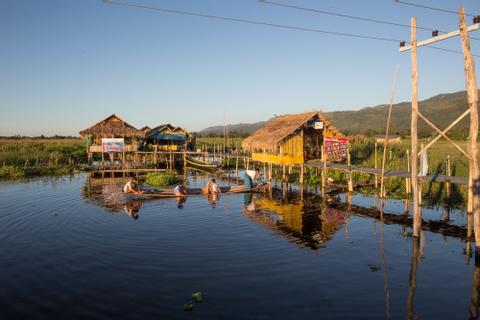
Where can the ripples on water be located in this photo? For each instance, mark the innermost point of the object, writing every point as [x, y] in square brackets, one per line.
[74, 248]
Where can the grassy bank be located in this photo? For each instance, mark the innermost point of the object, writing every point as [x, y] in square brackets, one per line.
[25, 158]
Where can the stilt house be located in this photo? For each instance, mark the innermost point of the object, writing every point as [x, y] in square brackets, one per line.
[295, 139]
[112, 127]
[168, 137]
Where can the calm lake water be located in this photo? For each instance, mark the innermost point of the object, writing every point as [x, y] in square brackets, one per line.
[75, 248]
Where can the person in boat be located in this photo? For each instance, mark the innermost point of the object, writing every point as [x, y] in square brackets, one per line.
[180, 190]
[132, 186]
[250, 178]
[212, 187]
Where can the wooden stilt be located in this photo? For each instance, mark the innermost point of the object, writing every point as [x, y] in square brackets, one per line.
[236, 166]
[408, 184]
[324, 169]
[301, 174]
[375, 164]
[449, 174]
[350, 181]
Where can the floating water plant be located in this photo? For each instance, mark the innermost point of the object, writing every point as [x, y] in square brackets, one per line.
[161, 179]
[373, 267]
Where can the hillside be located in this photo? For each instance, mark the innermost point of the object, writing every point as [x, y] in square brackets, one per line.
[240, 129]
[441, 109]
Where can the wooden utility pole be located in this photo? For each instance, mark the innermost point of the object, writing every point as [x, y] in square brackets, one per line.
[417, 215]
[472, 93]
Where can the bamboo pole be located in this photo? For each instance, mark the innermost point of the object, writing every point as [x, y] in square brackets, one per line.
[472, 94]
[449, 174]
[324, 171]
[236, 166]
[408, 185]
[420, 186]
[350, 182]
[385, 141]
[417, 215]
[375, 164]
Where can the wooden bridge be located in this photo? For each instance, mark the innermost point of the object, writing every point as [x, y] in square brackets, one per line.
[388, 173]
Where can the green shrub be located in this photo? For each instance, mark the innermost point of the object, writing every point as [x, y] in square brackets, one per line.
[161, 179]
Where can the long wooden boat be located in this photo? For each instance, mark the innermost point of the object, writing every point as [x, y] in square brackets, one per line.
[168, 192]
[200, 163]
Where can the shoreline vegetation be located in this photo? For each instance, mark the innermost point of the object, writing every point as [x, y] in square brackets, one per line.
[33, 157]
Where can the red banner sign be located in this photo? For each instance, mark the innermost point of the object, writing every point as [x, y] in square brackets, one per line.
[336, 148]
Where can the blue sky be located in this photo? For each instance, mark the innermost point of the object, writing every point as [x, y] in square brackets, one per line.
[66, 64]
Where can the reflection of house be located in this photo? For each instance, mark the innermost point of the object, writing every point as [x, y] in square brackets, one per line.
[304, 222]
[111, 127]
[294, 139]
[392, 138]
[168, 137]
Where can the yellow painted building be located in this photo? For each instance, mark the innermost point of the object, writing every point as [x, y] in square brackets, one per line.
[291, 139]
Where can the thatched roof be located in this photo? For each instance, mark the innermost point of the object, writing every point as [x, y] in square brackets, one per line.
[165, 129]
[112, 126]
[279, 128]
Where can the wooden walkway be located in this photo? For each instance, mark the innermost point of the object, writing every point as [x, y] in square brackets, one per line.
[388, 173]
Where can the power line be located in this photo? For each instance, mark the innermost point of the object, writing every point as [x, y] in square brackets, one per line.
[430, 8]
[342, 15]
[254, 22]
[348, 16]
[447, 50]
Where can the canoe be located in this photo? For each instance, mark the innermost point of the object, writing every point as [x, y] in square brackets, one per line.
[200, 163]
[168, 192]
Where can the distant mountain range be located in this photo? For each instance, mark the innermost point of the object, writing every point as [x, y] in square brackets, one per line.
[441, 109]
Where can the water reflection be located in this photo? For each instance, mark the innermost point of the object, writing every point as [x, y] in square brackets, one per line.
[306, 220]
[107, 193]
[475, 290]
[417, 253]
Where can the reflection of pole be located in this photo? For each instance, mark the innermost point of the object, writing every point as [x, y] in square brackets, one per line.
[475, 291]
[385, 273]
[413, 278]
[406, 209]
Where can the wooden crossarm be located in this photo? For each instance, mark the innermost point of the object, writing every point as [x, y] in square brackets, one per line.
[440, 38]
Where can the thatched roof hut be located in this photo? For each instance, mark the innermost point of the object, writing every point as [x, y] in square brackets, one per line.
[167, 132]
[145, 129]
[279, 128]
[112, 127]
